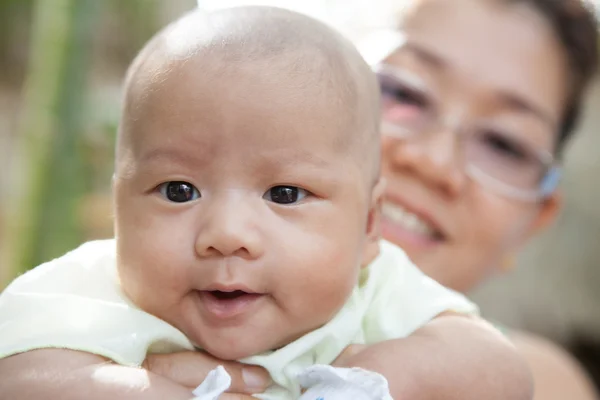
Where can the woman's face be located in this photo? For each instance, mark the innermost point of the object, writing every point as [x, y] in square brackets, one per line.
[479, 66]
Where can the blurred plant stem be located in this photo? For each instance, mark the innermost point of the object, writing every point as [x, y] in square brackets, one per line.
[43, 221]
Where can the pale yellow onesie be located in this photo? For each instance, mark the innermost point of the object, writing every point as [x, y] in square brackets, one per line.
[75, 302]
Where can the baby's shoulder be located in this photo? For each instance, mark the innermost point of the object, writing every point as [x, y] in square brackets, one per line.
[391, 265]
[400, 298]
[87, 265]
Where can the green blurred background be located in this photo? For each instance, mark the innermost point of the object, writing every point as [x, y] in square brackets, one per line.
[61, 66]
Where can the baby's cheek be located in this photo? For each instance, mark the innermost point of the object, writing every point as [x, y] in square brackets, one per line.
[152, 279]
[324, 297]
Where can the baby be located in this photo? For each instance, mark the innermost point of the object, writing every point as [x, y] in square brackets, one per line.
[247, 193]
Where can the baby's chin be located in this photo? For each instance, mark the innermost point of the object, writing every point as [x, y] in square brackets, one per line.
[235, 348]
[242, 341]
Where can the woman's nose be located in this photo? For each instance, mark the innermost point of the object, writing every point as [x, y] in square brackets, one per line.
[434, 158]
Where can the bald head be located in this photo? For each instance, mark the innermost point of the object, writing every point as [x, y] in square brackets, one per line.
[307, 58]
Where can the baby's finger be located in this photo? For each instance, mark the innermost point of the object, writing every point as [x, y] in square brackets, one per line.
[190, 368]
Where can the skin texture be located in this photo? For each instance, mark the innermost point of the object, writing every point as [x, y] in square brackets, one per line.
[511, 50]
[212, 110]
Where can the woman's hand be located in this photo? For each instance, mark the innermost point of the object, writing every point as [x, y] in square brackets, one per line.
[190, 368]
[343, 360]
[234, 396]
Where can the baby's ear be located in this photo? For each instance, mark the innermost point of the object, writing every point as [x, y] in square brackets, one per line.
[373, 232]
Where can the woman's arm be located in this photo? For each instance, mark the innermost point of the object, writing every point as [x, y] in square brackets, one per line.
[70, 375]
[189, 368]
[450, 358]
[556, 374]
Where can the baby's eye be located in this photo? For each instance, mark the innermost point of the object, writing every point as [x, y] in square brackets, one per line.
[179, 192]
[285, 194]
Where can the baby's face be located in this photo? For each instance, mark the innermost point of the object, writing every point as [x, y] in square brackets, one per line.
[240, 217]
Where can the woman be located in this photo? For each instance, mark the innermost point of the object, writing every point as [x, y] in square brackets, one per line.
[479, 100]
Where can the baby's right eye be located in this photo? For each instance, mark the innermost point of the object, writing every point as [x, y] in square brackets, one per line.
[179, 191]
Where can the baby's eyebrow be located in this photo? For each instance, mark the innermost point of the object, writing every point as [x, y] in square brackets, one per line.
[169, 154]
[298, 156]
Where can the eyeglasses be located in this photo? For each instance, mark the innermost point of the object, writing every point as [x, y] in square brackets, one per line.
[493, 155]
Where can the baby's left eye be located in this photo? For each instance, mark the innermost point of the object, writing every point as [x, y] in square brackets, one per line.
[179, 192]
[285, 194]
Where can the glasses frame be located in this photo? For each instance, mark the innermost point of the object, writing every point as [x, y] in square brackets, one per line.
[548, 184]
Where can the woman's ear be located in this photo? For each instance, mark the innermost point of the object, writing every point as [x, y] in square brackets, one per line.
[547, 214]
[373, 228]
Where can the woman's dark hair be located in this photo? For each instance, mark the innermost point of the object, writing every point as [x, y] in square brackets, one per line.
[574, 22]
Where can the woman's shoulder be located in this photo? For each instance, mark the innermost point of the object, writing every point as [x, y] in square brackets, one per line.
[556, 373]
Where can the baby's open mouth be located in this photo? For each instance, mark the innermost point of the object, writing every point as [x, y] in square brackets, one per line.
[228, 304]
[228, 295]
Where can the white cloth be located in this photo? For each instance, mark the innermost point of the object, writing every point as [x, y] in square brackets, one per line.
[322, 382]
[215, 384]
[328, 383]
[75, 302]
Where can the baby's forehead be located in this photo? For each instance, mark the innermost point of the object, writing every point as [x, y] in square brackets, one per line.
[211, 97]
[284, 71]
[307, 73]
[249, 104]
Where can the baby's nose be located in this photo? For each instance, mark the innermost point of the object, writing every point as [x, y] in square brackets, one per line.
[230, 228]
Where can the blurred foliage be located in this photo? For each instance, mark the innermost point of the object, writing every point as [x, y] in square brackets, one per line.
[46, 221]
[120, 28]
[64, 61]
[15, 22]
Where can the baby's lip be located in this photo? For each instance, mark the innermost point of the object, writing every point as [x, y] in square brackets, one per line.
[224, 305]
[230, 288]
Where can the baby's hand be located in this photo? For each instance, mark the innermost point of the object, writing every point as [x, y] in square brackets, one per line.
[190, 368]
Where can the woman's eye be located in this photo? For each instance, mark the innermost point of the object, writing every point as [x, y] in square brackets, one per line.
[394, 91]
[285, 194]
[506, 146]
[401, 95]
[179, 192]
[402, 105]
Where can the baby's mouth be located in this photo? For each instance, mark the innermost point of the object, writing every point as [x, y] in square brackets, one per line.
[219, 295]
[222, 305]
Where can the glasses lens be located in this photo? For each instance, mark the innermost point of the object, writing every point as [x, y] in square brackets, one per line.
[402, 107]
[508, 159]
[501, 158]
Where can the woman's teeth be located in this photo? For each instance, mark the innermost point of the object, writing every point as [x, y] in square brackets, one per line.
[408, 220]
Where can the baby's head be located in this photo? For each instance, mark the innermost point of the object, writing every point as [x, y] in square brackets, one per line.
[247, 177]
